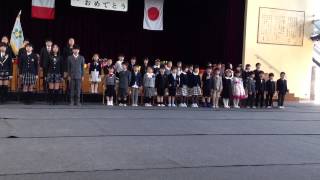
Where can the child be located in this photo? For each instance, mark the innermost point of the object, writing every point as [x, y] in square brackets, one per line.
[149, 84]
[238, 90]
[207, 85]
[133, 62]
[257, 71]
[183, 87]
[107, 64]
[196, 87]
[161, 84]
[227, 88]
[156, 67]
[76, 75]
[179, 67]
[270, 89]
[118, 66]
[28, 72]
[190, 83]
[110, 81]
[245, 74]
[251, 90]
[95, 74]
[55, 72]
[6, 42]
[135, 84]
[144, 67]
[260, 89]
[124, 80]
[282, 89]
[217, 88]
[168, 68]
[173, 83]
[5, 71]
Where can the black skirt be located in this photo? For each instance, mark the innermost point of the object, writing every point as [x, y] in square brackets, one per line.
[207, 91]
[160, 91]
[227, 89]
[172, 91]
[110, 91]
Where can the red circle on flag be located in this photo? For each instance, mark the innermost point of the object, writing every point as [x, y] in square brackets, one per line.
[153, 13]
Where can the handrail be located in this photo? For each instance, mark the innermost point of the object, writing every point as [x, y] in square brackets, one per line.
[267, 63]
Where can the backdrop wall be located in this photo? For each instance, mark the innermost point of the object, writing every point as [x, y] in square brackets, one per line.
[195, 32]
[296, 61]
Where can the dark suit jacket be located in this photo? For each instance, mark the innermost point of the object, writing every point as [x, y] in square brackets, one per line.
[54, 65]
[6, 64]
[136, 78]
[29, 64]
[75, 67]
[282, 86]
[260, 85]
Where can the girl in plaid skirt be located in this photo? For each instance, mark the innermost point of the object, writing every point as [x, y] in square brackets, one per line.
[196, 90]
[55, 74]
[5, 71]
[183, 87]
[28, 72]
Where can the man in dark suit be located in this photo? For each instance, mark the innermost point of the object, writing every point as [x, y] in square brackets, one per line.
[44, 59]
[67, 51]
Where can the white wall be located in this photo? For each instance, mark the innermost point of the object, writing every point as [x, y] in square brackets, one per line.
[294, 60]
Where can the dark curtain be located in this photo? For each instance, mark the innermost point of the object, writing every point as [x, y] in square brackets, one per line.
[195, 32]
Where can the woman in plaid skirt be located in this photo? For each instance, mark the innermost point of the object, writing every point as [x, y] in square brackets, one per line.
[55, 74]
[5, 71]
[28, 72]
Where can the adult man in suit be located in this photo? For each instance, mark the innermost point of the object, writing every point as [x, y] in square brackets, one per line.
[75, 75]
[44, 59]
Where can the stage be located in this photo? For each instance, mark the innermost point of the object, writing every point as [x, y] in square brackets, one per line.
[95, 142]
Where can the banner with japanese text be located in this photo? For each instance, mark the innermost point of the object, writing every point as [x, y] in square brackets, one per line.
[114, 5]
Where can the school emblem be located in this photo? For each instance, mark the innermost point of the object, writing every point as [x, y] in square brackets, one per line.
[17, 33]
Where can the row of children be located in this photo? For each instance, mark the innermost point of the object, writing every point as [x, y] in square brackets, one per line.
[184, 83]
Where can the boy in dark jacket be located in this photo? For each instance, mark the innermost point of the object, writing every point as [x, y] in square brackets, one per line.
[207, 86]
[161, 84]
[282, 89]
[173, 83]
[135, 84]
[270, 89]
[124, 80]
[251, 90]
[260, 89]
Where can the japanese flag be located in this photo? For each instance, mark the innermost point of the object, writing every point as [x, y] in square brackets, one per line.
[153, 15]
[43, 9]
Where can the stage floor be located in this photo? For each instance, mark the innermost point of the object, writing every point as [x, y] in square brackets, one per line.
[94, 142]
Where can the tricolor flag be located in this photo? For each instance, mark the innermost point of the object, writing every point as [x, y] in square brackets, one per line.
[43, 9]
[17, 38]
[153, 15]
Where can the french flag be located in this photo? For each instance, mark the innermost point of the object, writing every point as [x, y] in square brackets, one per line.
[43, 9]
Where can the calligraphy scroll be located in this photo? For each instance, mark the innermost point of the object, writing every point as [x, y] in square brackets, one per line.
[282, 27]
